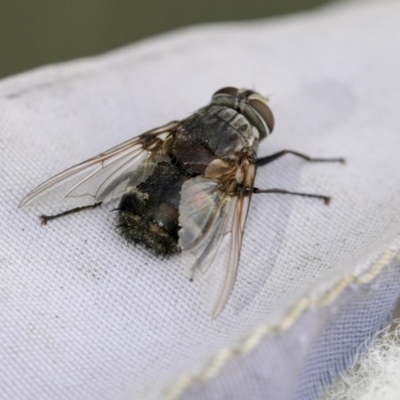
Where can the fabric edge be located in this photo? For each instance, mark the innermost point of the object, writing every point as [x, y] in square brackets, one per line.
[255, 338]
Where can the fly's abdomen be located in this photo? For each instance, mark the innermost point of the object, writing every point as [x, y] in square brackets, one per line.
[148, 213]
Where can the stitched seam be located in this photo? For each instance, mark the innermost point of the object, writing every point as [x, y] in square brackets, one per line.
[248, 344]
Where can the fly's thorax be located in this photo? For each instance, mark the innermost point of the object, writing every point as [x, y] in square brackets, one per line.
[237, 123]
[214, 132]
[249, 103]
[231, 176]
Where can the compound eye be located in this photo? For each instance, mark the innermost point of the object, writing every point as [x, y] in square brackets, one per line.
[265, 113]
[227, 90]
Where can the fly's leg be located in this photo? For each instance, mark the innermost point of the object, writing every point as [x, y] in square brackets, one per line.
[326, 199]
[45, 218]
[268, 159]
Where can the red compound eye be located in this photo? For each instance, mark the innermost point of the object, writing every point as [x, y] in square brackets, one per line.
[227, 90]
[265, 113]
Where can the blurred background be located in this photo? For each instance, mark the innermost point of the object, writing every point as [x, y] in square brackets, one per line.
[34, 33]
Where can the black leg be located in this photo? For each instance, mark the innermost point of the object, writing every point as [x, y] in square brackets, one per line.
[266, 160]
[46, 218]
[326, 199]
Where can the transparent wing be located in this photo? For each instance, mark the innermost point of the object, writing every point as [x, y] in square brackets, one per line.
[106, 175]
[212, 224]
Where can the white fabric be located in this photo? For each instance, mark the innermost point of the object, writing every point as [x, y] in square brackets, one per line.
[376, 373]
[84, 315]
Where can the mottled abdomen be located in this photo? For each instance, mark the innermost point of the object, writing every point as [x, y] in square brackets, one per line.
[148, 214]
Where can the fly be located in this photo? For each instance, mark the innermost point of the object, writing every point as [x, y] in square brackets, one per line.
[185, 187]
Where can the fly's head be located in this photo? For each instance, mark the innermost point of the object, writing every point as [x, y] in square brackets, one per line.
[249, 103]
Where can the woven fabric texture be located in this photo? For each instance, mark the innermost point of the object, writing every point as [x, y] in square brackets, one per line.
[84, 315]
